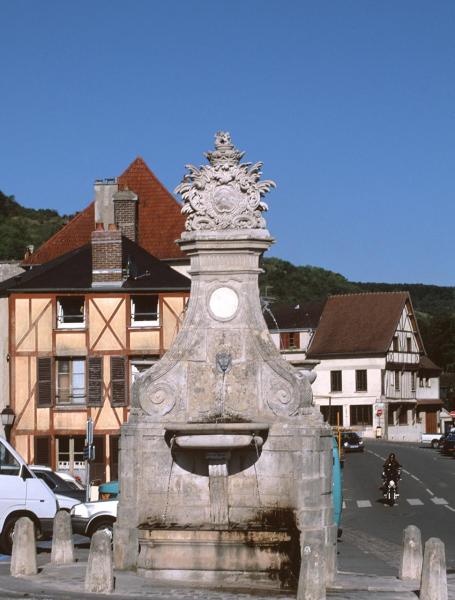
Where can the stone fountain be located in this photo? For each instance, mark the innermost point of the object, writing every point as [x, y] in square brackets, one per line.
[225, 463]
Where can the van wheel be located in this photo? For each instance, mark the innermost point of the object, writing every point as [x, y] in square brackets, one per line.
[6, 539]
[8, 535]
[434, 444]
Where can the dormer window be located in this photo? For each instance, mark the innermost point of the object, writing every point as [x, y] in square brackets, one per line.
[145, 311]
[70, 312]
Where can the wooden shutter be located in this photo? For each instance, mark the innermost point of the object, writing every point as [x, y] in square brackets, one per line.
[44, 382]
[118, 380]
[43, 451]
[95, 380]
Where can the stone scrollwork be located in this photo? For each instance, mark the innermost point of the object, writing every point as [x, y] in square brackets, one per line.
[282, 399]
[225, 194]
[158, 399]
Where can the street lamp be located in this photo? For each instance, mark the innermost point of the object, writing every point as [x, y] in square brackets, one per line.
[8, 418]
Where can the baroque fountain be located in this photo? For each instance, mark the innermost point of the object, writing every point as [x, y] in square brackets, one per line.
[225, 463]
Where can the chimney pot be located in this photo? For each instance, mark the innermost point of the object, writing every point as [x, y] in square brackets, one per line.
[112, 227]
[99, 227]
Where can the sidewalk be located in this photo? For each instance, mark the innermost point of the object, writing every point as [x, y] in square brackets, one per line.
[67, 583]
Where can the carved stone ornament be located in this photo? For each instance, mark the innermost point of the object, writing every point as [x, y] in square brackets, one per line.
[159, 399]
[225, 194]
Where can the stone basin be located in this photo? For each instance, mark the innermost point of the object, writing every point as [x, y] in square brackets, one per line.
[217, 436]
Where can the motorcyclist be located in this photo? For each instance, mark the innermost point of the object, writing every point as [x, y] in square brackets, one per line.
[391, 469]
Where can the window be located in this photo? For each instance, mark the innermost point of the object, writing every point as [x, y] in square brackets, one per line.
[290, 340]
[113, 455]
[43, 451]
[403, 414]
[70, 382]
[361, 384]
[413, 381]
[70, 452]
[333, 415]
[361, 414]
[420, 381]
[397, 380]
[70, 312]
[408, 344]
[8, 464]
[391, 416]
[427, 382]
[141, 365]
[336, 384]
[395, 343]
[145, 311]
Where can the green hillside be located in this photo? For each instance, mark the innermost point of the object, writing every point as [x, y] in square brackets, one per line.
[434, 305]
[20, 227]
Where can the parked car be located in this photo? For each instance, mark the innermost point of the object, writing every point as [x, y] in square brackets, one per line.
[74, 480]
[22, 494]
[89, 517]
[351, 441]
[448, 446]
[67, 492]
[430, 439]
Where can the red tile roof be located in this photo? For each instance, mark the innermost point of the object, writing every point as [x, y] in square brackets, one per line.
[353, 324]
[159, 217]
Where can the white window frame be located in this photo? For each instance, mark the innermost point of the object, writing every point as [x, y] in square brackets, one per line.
[61, 324]
[81, 400]
[146, 362]
[151, 323]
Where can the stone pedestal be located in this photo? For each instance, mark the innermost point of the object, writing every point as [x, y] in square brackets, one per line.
[224, 454]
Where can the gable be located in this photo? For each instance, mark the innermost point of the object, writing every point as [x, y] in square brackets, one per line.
[160, 221]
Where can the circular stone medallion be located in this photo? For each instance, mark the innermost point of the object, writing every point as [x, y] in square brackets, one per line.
[223, 303]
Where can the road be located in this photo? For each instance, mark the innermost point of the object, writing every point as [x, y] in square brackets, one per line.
[372, 532]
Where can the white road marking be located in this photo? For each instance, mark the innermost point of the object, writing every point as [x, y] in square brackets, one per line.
[363, 503]
[439, 500]
[429, 491]
[344, 504]
[407, 472]
[449, 507]
[414, 477]
[414, 501]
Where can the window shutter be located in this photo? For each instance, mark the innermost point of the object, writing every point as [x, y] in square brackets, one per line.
[95, 380]
[43, 451]
[44, 381]
[118, 380]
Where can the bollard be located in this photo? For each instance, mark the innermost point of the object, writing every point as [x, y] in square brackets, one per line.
[433, 585]
[411, 554]
[62, 539]
[23, 558]
[100, 574]
[312, 577]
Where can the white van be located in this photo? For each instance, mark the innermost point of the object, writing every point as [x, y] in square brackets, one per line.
[22, 494]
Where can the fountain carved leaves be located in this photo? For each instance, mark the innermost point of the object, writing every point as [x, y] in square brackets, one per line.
[225, 194]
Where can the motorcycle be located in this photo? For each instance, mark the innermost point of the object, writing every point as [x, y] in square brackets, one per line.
[390, 488]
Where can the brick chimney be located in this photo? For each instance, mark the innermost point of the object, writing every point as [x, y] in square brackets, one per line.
[106, 256]
[125, 213]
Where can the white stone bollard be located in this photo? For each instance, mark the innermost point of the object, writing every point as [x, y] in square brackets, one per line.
[100, 573]
[433, 585]
[23, 558]
[62, 539]
[411, 554]
[312, 577]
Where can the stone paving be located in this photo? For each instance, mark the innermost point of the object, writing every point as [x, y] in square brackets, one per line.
[67, 583]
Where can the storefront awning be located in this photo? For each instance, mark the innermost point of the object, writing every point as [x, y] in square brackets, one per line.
[430, 402]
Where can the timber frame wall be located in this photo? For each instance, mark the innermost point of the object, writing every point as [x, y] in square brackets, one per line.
[107, 332]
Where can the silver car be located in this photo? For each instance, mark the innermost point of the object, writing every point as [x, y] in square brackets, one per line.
[88, 517]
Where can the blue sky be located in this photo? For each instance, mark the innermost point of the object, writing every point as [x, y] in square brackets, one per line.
[349, 104]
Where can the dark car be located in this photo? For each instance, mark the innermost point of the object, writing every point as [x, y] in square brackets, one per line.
[57, 484]
[351, 441]
[448, 446]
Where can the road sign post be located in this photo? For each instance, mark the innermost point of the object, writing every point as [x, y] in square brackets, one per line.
[88, 454]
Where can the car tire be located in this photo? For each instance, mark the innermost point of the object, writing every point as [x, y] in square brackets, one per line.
[435, 444]
[103, 525]
[6, 539]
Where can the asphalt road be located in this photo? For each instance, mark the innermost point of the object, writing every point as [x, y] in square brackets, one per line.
[372, 532]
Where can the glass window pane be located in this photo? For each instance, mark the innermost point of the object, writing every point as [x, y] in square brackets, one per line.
[8, 464]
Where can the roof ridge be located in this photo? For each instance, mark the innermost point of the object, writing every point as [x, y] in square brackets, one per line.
[139, 159]
[370, 293]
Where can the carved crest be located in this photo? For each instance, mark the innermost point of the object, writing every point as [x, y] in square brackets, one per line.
[225, 194]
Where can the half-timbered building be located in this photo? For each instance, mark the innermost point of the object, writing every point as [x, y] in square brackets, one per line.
[81, 328]
[373, 373]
